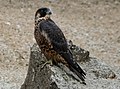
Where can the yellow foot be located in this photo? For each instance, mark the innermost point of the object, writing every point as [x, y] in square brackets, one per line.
[47, 62]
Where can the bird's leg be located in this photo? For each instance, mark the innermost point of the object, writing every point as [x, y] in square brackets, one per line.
[47, 62]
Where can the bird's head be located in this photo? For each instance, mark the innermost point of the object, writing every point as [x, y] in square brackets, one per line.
[43, 13]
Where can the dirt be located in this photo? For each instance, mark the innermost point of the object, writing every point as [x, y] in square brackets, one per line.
[91, 24]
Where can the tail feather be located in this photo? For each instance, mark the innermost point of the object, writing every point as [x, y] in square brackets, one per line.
[81, 75]
[73, 66]
[78, 68]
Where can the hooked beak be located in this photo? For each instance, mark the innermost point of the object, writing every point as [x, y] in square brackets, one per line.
[49, 12]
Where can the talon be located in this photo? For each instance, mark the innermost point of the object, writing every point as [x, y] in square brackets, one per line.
[42, 62]
[39, 63]
[45, 63]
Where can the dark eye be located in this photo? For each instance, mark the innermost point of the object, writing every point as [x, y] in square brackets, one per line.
[42, 11]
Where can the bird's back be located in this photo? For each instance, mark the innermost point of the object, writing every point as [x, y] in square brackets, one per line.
[54, 34]
[52, 30]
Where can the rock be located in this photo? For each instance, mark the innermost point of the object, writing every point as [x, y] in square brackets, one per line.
[36, 78]
[99, 69]
[79, 53]
[53, 77]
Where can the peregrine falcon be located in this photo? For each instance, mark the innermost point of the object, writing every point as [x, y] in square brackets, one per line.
[53, 43]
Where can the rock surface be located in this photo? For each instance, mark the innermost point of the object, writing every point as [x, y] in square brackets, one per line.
[53, 77]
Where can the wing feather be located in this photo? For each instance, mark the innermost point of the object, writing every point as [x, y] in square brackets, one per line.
[57, 39]
[55, 35]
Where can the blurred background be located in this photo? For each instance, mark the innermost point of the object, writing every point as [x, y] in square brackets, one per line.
[94, 25]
